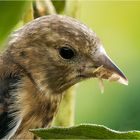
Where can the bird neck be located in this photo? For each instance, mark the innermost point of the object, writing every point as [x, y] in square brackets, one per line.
[29, 108]
[36, 109]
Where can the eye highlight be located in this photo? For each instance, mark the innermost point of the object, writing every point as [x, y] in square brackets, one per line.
[66, 52]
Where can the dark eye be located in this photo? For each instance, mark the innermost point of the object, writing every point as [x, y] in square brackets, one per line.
[66, 52]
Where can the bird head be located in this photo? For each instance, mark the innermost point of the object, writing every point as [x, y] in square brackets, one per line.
[57, 52]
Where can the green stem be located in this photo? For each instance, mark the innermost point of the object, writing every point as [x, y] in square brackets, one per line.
[45, 7]
[29, 14]
[66, 113]
[72, 8]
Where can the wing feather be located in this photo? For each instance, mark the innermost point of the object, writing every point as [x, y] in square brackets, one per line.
[7, 86]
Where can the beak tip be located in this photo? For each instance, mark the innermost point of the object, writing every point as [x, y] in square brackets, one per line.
[123, 80]
[118, 78]
[126, 82]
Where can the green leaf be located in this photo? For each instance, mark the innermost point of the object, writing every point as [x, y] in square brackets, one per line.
[10, 13]
[84, 131]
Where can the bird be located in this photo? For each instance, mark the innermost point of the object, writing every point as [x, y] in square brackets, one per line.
[41, 61]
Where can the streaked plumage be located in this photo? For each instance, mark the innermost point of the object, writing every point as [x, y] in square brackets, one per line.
[42, 60]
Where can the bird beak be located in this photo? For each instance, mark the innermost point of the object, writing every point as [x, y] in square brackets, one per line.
[107, 69]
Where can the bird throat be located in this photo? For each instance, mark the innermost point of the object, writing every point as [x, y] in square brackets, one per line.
[36, 105]
[37, 110]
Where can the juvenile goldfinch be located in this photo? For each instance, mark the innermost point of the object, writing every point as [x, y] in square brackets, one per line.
[42, 60]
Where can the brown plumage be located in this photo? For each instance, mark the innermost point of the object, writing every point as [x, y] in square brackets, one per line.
[42, 60]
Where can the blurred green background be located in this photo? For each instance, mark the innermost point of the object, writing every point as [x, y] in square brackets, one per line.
[117, 24]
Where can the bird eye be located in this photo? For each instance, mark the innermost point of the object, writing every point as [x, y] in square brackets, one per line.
[66, 52]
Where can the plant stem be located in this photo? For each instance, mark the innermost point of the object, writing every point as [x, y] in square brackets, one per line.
[45, 7]
[29, 14]
[72, 8]
[66, 113]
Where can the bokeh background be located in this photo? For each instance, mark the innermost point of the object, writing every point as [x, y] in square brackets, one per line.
[117, 23]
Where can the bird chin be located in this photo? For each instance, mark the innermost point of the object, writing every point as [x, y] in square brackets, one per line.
[103, 73]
